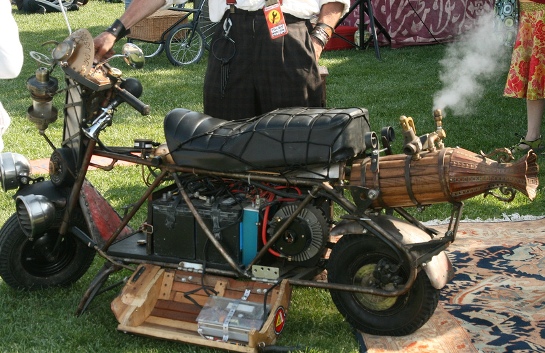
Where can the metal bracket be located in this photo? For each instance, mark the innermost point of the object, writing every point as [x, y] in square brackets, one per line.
[265, 272]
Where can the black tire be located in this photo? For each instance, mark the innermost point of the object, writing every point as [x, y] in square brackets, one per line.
[23, 266]
[352, 260]
[184, 46]
[149, 49]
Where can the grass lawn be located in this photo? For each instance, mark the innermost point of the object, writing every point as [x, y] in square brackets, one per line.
[404, 82]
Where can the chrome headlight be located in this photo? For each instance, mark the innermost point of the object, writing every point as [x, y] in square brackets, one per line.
[35, 214]
[13, 168]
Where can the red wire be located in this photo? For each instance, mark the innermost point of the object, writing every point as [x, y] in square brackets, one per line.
[270, 198]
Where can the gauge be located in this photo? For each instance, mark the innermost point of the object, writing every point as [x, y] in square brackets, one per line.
[63, 50]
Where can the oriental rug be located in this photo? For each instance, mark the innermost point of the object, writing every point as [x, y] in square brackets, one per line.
[496, 301]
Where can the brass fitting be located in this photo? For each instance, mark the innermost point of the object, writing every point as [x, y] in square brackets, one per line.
[411, 143]
[42, 89]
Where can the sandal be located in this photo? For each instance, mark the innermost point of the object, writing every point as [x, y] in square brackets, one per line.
[524, 145]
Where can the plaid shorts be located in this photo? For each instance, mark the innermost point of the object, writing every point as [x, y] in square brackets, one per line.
[263, 74]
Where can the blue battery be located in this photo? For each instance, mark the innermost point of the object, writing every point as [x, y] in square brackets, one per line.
[249, 234]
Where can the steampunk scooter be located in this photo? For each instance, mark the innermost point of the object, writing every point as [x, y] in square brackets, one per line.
[278, 198]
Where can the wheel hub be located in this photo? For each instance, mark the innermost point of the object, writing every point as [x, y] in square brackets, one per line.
[44, 246]
[365, 277]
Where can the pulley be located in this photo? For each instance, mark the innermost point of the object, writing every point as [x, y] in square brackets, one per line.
[305, 238]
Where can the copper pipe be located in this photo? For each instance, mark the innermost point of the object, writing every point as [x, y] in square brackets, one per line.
[76, 188]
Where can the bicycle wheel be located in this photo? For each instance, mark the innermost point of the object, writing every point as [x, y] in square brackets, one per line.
[184, 45]
[149, 49]
[206, 26]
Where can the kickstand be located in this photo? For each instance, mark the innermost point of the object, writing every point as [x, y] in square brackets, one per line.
[359, 338]
[96, 284]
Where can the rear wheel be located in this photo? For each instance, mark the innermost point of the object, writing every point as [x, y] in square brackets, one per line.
[184, 45]
[368, 262]
[30, 265]
[206, 26]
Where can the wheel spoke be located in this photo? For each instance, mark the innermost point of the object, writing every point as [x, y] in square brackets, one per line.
[184, 45]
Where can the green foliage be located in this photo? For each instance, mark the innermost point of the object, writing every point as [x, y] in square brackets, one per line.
[402, 83]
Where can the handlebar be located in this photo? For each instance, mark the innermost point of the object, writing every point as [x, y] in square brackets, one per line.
[129, 92]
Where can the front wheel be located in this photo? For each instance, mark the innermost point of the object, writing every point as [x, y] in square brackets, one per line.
[30, 265]
[184, 45]
[368, 262]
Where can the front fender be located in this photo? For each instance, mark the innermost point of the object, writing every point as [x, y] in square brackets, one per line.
[439, 269]
[101, 217]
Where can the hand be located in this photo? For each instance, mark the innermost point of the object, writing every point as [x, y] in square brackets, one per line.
[104, 43]
[317, 47]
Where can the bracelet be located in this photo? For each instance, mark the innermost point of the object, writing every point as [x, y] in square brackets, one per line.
[325, 26]
[321, 42]
[321, 35]
[118, 30]
[321, 32]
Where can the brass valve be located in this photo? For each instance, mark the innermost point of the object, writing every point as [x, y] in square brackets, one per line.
[411, 143]
[42, 89]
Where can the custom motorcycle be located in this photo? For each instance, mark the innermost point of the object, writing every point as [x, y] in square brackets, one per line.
[278, 198]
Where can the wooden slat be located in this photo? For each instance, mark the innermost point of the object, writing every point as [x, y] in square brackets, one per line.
[220, 288]
[177, 324]
[141, 301]
[166, 287]
[200, 297]
[267, 334]
[136, 290]
[185, 287]
[175, 315]
[174, 334]
[176, 306]
[253, 297]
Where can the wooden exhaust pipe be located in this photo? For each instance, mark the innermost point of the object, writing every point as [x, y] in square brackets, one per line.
[444, 175]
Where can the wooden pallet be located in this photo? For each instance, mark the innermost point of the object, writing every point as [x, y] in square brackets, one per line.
[162, 303]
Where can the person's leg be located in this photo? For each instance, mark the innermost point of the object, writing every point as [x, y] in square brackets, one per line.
[535, 109]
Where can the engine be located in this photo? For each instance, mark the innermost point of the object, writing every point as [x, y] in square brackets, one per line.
[243, 218]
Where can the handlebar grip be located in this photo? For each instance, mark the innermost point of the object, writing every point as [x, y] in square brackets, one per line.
[134, 102]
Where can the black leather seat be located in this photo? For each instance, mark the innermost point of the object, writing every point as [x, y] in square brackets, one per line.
[284, 139]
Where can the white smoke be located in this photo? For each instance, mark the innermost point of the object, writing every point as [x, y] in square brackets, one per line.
[479, 55]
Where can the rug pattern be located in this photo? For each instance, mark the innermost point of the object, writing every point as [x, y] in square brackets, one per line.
[496, 299]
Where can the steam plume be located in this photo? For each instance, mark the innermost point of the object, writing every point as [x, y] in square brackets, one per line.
[468, 63]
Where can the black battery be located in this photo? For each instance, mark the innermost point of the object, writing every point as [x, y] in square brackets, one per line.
[177, 234]
[224, 223]
[173, 230]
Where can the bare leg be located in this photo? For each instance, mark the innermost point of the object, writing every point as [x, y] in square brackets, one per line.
[535, 109]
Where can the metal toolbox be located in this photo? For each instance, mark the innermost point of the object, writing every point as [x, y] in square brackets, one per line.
[230, 319]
